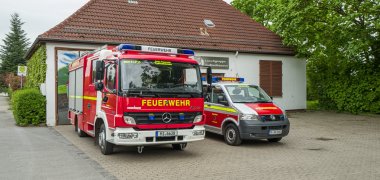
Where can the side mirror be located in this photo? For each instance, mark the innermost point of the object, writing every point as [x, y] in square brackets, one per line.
[105, 99]
[222, 100]
[99, 86]
[209, 76]
[99, 70]
[209, 89]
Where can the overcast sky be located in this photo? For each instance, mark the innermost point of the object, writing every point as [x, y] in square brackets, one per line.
[38, 15]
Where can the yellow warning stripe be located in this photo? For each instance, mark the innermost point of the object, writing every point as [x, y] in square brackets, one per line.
[220, 108]
[84, 97]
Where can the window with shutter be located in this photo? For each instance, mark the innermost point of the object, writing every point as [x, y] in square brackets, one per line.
[271, 77]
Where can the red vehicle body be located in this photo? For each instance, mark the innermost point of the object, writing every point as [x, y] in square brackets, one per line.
[118, 95]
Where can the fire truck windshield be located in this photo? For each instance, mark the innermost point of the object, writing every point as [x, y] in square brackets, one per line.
[247, 93]
[160, 78]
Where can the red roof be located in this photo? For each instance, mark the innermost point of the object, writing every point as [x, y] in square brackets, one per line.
[170, 23]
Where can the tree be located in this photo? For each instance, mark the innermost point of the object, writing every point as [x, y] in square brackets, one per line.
[15, 46]
[340, 40]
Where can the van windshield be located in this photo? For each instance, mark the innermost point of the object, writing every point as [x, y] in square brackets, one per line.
[160, 78]
[247, 93]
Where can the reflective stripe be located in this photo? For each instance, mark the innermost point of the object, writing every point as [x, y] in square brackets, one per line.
[220, 108]
[84, 97]
[89, 98]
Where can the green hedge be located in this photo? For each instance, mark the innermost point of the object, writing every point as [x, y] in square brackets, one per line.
[28, 107]
[37, 68]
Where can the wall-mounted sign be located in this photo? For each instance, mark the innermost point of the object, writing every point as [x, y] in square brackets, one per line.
[21, 70]
[159, 49]
[214, 62]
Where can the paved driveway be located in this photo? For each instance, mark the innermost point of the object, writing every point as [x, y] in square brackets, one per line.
[321, 145]
[41, 153]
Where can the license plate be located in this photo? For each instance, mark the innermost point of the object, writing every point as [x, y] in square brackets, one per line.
[166, 133]
[275, 132]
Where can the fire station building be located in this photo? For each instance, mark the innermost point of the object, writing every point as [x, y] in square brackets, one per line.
[222, 37]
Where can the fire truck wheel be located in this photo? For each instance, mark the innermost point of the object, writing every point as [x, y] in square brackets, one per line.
[105, 147]
[179, 147]
[274, 139]
[79, 131]
[232, 135]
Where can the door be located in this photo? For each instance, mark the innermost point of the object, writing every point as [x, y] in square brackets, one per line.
[110, 97]
[90, 98]
[64, 57]
[217, 107]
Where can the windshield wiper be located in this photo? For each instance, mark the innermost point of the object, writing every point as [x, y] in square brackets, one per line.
[263, 101]
[178, 94]
[140, 93]
[252, 101]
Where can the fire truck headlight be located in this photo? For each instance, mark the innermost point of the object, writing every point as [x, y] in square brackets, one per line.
[197, 119]
[129, 120]
[248, 117]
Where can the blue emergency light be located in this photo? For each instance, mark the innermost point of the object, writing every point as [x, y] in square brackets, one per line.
[151, 117]
[187, 52]
[124, 47]
[181, 116]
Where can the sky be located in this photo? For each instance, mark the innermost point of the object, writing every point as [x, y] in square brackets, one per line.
[38, 15]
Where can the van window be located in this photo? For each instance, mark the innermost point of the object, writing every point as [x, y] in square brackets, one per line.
[217, 92]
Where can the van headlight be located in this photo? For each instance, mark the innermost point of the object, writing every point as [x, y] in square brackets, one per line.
[197, 119]
[248, 117]
[129, 120]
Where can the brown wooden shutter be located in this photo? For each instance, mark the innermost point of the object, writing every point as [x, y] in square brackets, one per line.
[276, 78]
[271, 77]
[265, 76]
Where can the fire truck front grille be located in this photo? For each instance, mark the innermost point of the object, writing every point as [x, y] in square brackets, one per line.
[163, 118]
[268, 118]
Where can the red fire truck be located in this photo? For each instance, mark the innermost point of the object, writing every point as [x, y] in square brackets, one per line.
[137, 96]
[241, 111]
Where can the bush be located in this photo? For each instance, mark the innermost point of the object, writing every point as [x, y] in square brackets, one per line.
[29, 107]
[13, 81]
[3, 89]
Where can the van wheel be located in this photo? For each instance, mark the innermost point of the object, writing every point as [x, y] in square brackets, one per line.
[179, 147]
[232, 135]
[274, 139]
[79, 131]
[105, 147]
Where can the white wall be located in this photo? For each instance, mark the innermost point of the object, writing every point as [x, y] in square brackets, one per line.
[50, 77]
[246, 65]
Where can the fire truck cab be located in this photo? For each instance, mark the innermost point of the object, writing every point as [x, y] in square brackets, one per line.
[241, 111]
[134, 95]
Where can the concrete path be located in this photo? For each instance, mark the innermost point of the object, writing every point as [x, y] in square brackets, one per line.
[41, 153]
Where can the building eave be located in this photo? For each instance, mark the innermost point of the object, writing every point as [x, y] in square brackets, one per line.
[41, 40]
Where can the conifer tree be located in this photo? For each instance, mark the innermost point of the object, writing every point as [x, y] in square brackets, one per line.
[15, 45]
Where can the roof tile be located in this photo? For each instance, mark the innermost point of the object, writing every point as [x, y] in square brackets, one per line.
[172, 23]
